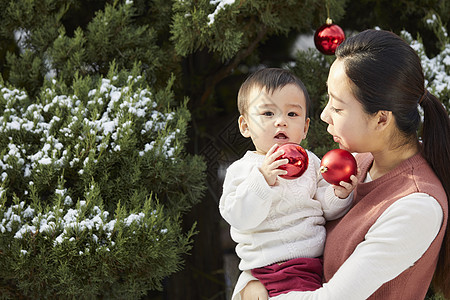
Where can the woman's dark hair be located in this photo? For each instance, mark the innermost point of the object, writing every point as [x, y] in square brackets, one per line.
[270, 79]
[387, 75]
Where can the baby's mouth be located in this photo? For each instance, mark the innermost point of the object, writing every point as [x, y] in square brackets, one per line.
[281, 136]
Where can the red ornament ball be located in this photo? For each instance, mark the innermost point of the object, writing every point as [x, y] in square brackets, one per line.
[338, 165]
[298, 160]
[328, 37]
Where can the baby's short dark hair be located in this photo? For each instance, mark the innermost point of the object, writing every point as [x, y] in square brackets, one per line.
[269, 79]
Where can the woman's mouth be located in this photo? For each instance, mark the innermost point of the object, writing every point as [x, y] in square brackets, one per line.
[336, 139]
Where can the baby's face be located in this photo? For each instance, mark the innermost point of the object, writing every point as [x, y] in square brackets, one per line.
[276, 118]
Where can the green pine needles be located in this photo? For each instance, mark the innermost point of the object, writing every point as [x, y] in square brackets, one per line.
[94, 182]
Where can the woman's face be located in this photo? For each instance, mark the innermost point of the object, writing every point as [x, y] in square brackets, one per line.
[347, 121]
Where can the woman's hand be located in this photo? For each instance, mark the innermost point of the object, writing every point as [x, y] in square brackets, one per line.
[344, 188]
[254, 290]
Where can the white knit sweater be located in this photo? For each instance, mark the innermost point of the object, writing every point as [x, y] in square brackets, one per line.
[271, 224]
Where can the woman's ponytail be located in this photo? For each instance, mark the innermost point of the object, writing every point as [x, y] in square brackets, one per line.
[436, 149]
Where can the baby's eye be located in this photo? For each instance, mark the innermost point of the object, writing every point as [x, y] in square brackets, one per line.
[292, 114]
[268, 113]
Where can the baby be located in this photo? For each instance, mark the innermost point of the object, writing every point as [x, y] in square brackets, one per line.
[278, 224]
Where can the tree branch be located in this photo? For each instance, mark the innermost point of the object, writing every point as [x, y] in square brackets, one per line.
[226, 70]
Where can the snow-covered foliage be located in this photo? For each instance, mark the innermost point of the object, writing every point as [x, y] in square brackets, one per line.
[86, 174]
[436, 68]
[220, 5]
[106, 119]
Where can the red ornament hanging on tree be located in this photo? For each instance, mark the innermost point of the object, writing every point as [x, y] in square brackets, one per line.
[328, 37]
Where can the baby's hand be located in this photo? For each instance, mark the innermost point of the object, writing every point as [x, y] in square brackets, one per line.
[269, 167]
[344, 188]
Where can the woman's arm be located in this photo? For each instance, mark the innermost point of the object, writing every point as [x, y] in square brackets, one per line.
[254, 290]
[249, 288]
[395, 242]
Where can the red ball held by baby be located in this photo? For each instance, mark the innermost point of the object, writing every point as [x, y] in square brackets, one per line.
[298, 160]
[338, 165]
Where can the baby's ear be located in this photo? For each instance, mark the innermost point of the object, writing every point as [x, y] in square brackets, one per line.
[243, 126]
[305, 130]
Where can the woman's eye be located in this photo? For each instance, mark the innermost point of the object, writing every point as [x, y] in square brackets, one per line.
[336, 110]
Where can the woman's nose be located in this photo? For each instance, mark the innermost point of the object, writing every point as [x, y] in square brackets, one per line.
[325, 116]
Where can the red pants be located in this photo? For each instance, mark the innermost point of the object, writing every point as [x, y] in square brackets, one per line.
[300, 274]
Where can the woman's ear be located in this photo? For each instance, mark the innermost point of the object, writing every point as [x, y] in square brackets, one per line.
[384, 118]
[243, 126]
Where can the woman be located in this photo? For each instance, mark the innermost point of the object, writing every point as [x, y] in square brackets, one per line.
[388, 245]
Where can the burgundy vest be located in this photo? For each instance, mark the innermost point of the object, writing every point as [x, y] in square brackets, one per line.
[370, 201]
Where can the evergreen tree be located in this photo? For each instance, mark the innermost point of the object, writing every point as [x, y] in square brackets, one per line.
[94, 179]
